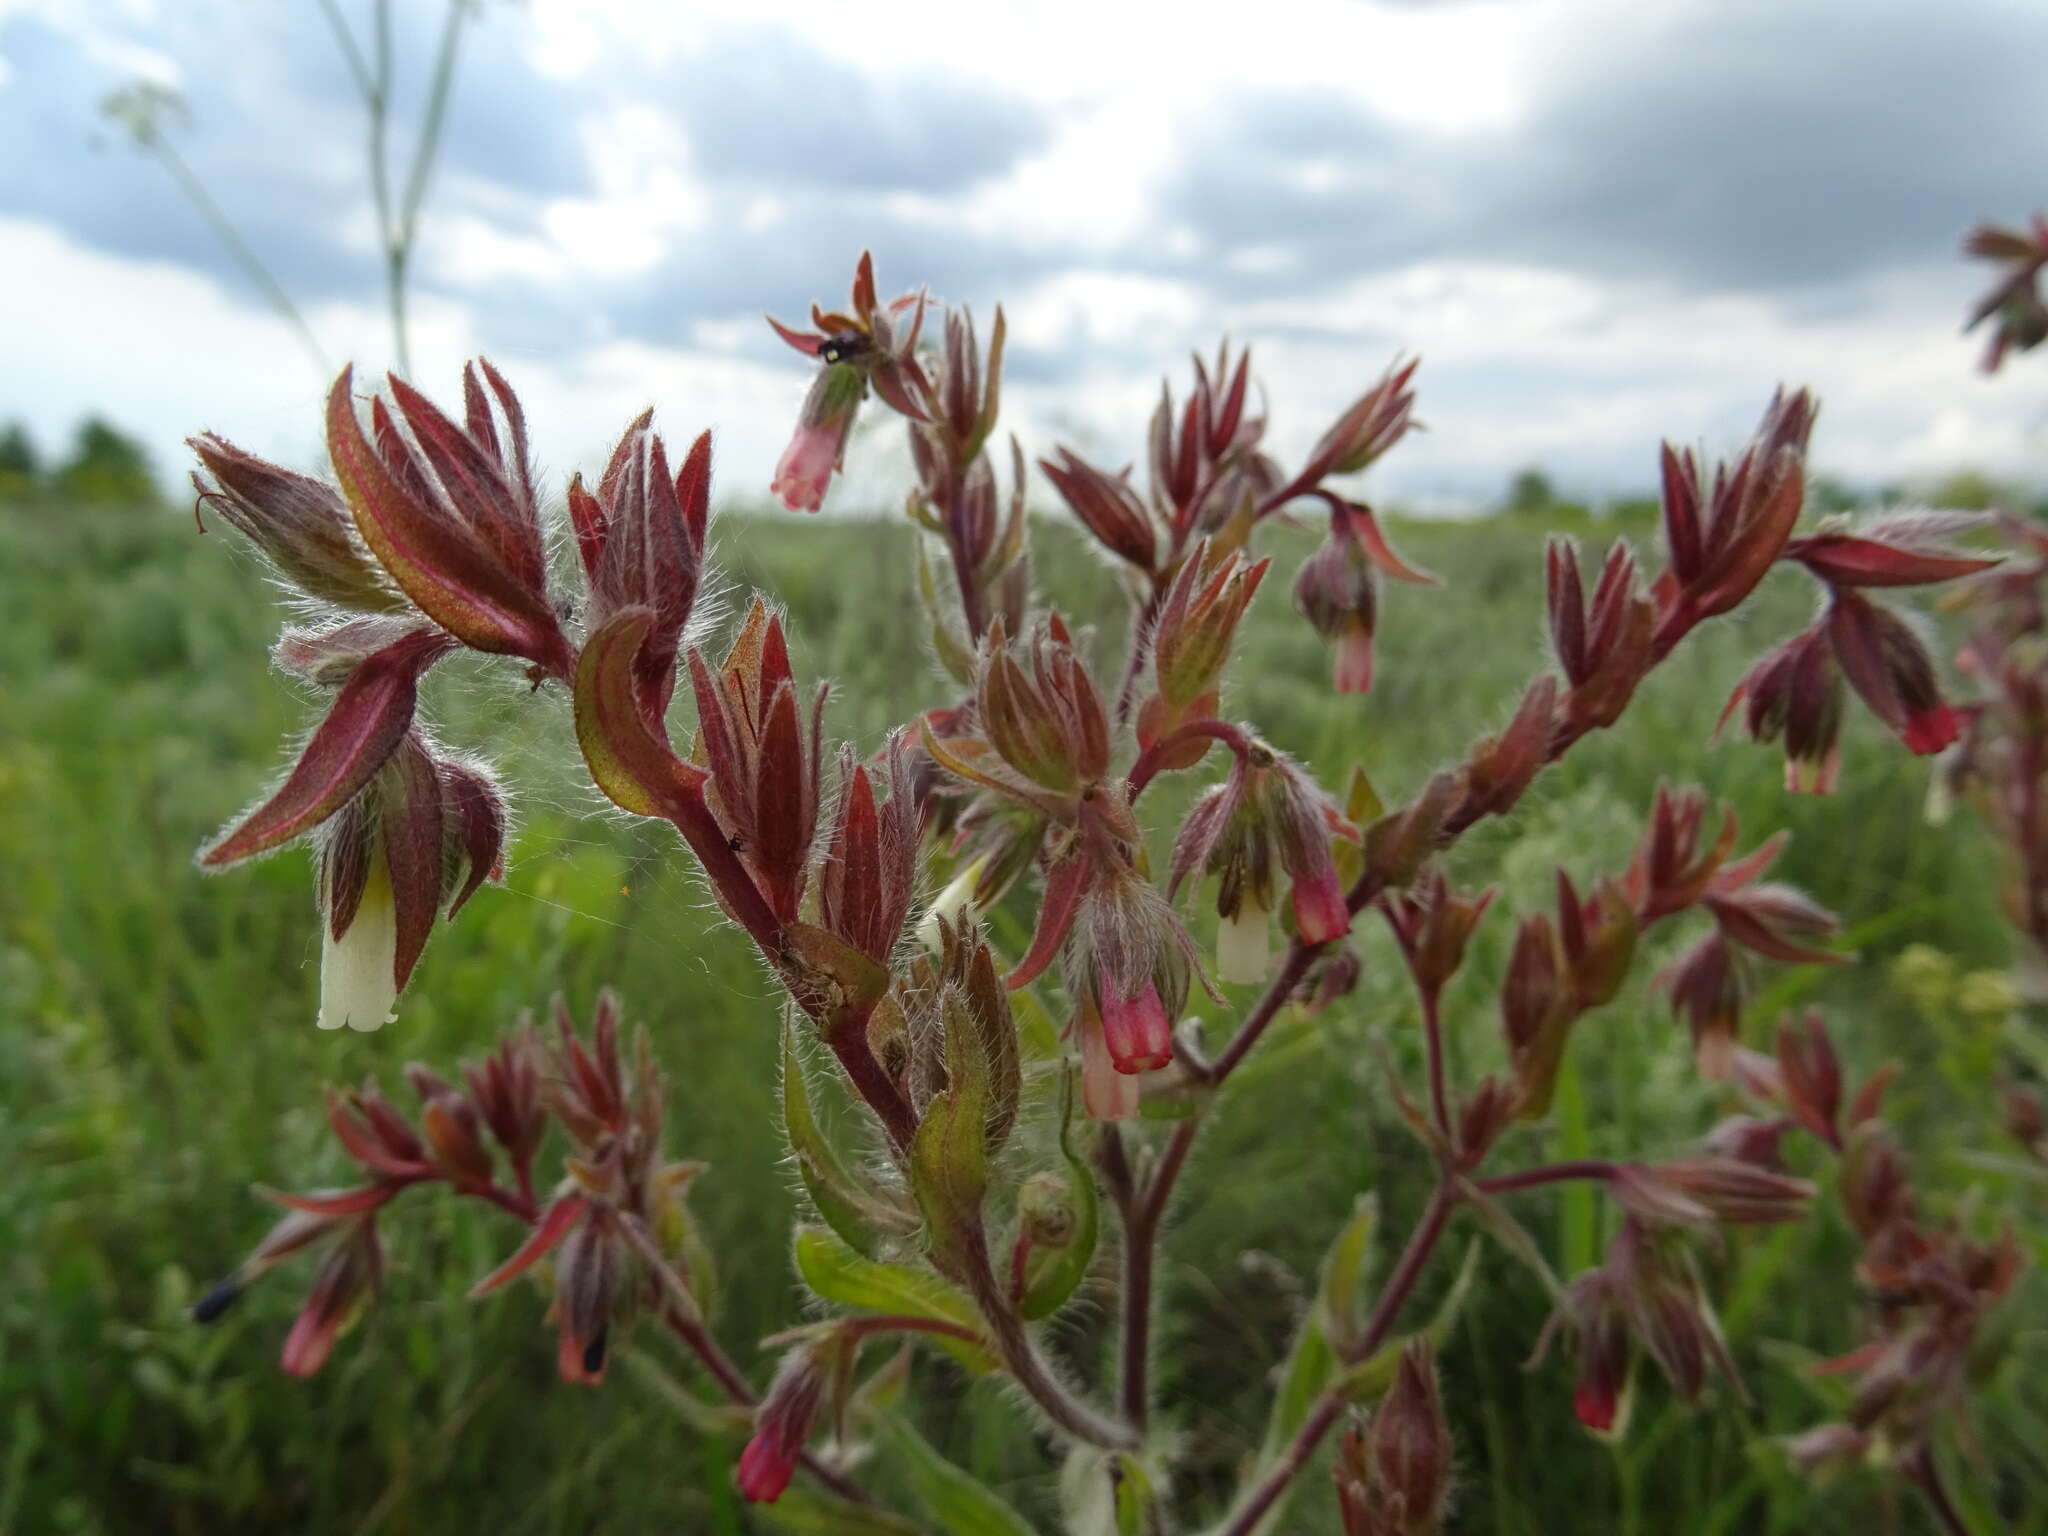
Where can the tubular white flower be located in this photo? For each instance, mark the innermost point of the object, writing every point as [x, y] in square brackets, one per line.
[954, 904]
[1244, 952]
[357, 985]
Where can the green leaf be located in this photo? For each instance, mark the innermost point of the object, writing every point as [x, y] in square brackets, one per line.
[835, 1272]
[1514, 1237]
[1052, 1275]
[949, 1154]
[859, 1218]
[1344, 1273]
[955, 1499]
[946, 644]
[1134, 1498]
[1312, 1360]
[1309, 1364]
[1368, 1381]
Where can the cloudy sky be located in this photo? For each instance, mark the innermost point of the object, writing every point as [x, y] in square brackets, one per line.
[1599, 222]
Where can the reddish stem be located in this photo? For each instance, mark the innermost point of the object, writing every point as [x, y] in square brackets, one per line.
[521, 1205]
[1433, 1037]
[1141, 637]
[693, 818]
[1329, 1408]
[1146, 768]
[848, 1038]
[715, 1360]
[1549, 1173]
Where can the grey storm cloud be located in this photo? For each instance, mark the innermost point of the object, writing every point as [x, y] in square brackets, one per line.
[277, 140]
[278, 143]
[764, 108]
[1755, 146]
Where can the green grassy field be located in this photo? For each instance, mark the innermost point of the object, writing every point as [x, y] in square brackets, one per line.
[159, 1054]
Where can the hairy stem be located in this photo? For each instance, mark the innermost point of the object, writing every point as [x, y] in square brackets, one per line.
[1146, 768]
[1141, 640]
[1433, 1037]
[849, 1042]
[1549, 1173]
[1021, 1357]
[1422, 1244]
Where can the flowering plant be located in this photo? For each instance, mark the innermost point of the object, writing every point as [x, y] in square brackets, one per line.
[1002, 1101]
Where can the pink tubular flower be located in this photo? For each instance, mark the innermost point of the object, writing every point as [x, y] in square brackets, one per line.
[819, 445]
[1320, 912]
[352, 1270]
[782, 1424]
[806, 466]
[1128, 962]
[1137, 1032]
[1352, 670]
[1106, 1092]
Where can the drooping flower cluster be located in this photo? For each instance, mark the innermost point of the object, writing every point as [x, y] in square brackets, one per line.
[971, 1211]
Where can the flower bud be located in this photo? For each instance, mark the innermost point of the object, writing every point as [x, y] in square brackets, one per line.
[1796, 692]
[1370, 426]
[1046, 725]
[301, 525]
[1191, 637]
[1726, 529]
[782, 1424]
[1812, 1077]
[1876, 1187]
[1410, 1445]
[353, 1268]
[2014, 302]
[1338, 594]
[1332, 976]
[453, 1128]
[1739, 1192]
[1606, 646]
[1709, 985]
[1269, 814]
[1107, 507]
[451, 514]
[1432, 924]
[506, 1089]
[591, 1268]
[641, 539]
[1129, 962]
[869, 873]
[763, 757]
[1888, 665]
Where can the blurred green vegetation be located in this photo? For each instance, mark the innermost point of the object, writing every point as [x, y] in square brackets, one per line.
[160, 1056]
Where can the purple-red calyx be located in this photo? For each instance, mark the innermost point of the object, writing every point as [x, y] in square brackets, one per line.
[782, 1424]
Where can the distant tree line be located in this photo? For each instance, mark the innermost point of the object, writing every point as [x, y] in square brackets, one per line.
[1531, 494]
[104, 467]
